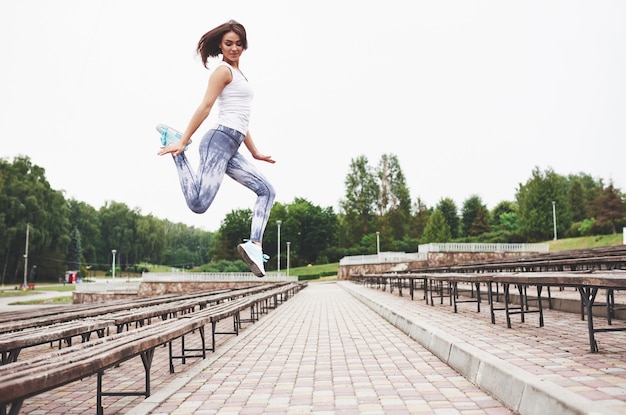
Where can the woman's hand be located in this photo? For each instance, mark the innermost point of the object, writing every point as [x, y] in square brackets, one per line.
[174, 149]
[263, 157]
[254, 151]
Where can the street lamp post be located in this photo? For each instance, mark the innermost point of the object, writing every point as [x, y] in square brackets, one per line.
[554, 217]
[278, 223]
[113, 251]
[25, 284]
[288, 245]
[377, 243]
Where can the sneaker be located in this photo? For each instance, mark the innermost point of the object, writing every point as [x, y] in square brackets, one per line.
[169, 135]
[253, 255]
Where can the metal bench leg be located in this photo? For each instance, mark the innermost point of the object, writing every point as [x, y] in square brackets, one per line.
[236, 323]
[146, 358]
[253, 316]
[523, 301]
[169, 346]
[213, 324]
[454, 293]
[202, 341]
[99, 409]
[587, 297]
[11, 356]
[490, 299]
[16, 406]
[610, 305]
[430, 290]
[506, 304]
[539, 288]
[182, 350]
[549, 299]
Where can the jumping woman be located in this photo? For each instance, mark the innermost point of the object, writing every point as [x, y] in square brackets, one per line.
[219, 147]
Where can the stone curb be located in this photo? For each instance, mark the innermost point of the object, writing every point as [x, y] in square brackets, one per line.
[518, 389]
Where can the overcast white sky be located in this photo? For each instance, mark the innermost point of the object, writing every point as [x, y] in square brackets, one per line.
[470, 95]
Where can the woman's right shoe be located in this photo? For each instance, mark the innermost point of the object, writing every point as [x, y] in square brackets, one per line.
[169, 135]
[253, 255]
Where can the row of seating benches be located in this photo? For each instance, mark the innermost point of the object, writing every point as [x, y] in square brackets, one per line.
[22, 379]
[440, 282]
[607, 258]
[84, 320]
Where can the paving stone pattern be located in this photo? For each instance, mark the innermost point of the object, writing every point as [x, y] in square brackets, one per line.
[324, 352]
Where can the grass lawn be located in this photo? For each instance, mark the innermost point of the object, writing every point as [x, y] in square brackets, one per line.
[10, 291]
[314, 270]
[39, 288]
[66, 299]
[585, 242]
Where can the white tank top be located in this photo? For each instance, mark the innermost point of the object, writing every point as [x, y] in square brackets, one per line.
[235, 101]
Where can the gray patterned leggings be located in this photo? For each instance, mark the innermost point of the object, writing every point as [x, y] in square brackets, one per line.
[218, 156]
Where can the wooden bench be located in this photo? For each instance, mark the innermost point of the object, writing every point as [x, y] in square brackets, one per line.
[20, 380]
[11, 344]
[144, 315]
[587, 283]
[258, 303]
[9, 321]
[606, 258]
[23, 379]
[446, 284]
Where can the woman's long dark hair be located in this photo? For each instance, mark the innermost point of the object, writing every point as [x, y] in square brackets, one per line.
[209, 44]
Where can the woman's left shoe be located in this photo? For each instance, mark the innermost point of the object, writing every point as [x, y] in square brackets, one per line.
[169, 135]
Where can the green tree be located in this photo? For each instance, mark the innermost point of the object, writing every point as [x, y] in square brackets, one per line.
[471, 208]
[480, 225]
[310, 229]
[448, 209]
[437, 229]
[150, 239]
[359, 204]
[84, 218]
[504, 216]
[187, 246]
[205, 241]
[576, 201]
[26, 199]
[508, 221]
[610, 208]
[419, 219]
[394, 200]
[74, 254]
[118, 230]
[234, 227]
[590, 187]
[535, 198]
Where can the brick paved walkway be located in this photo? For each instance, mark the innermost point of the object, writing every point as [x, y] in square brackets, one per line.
[323, 352]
